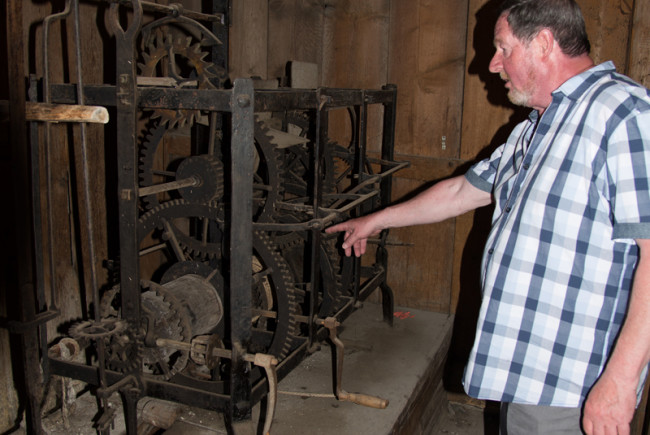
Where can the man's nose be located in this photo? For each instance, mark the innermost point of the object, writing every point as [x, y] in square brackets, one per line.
[495, 63]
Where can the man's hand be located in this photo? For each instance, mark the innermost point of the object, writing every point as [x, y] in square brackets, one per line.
[357, 231]
[609, 407]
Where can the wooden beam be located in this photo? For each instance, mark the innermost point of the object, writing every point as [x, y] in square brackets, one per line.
[638, 66]
[65, 113]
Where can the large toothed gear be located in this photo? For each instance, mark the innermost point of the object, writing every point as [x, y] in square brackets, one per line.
[267, 173]
[163, 316]
[166, 318]
[147, 170]
[160, 59]
[275, 299]
[208, 172]
[273, 291]
[97, 329]
[193, 228]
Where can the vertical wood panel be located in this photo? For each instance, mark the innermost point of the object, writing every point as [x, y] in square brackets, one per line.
[64, 239]
[427, 55]
[249, 39]
[355, 55]
[92, 67]
[639, 58]
[608, 28]
[295, 33]
[420, 272]
[355, 43]
[488, 116]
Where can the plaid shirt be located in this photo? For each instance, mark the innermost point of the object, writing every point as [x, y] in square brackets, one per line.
[572, 193]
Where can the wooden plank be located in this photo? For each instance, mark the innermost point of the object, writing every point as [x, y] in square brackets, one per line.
[488, 116]
[65, 113]
[295, 33]
[427, 56]
[355, 55]
[639, 57]
[420, 272]
[608, 25]
[355, 43]
[92, 70]
[16, 255]
[249, 39]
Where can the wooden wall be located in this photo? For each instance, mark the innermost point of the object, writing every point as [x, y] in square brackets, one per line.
[451, 110]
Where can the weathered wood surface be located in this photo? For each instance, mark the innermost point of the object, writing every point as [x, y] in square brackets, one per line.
[248, 51]
[608, 27]
[427, 56]
[65, 113]
[639, 51]
[295, 34]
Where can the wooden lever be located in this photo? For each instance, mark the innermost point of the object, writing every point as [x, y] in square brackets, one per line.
[65, 113]
[363, 399]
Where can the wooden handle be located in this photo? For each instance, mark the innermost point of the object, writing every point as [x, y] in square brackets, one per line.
[65, 113]
[363, 399]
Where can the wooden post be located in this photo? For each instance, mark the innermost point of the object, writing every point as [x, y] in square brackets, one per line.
[638, 66]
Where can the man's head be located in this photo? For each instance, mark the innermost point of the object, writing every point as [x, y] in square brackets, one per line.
[562, 17]
[539, 44]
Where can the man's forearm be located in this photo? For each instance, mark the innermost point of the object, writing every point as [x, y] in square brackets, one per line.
[445, 199]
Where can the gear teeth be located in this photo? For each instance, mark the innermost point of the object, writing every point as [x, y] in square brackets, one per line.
[164, 45]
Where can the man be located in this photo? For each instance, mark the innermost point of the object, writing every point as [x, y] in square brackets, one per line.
[570, 240]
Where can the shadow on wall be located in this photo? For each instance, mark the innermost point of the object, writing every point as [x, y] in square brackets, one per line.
[470, 283]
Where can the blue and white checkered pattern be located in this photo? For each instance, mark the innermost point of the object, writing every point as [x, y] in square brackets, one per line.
[572, 193]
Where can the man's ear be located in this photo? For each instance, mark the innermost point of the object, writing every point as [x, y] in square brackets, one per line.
[545, 42]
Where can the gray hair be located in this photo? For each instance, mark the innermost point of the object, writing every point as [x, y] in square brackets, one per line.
[562, 17]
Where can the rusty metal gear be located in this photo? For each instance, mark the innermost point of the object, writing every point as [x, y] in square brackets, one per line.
[275, 300]
[163, 316]
[267, 187]
[97, 329]
[207, 169]
[208, 172]
[148, 174]
[191, 229]
[267, 174]
[166, 55]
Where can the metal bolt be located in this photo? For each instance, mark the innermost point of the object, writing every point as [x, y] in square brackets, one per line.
[243, 100]
[126, 194]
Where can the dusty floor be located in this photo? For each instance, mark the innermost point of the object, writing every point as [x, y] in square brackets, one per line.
[464, 419]
[397, 355]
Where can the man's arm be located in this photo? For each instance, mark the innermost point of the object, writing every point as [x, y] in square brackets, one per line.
[610, 404]
[446, 199]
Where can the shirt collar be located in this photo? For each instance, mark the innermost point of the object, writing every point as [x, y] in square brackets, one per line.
[577, 85]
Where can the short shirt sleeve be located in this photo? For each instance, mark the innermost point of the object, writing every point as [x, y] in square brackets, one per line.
[482, 174]
[628, 169]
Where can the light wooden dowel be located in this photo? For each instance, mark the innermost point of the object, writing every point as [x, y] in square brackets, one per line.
[65, 113]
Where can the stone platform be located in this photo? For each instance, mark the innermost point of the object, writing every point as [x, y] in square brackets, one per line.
[402, 363]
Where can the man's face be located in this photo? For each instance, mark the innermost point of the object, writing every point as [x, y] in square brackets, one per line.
[514, 62]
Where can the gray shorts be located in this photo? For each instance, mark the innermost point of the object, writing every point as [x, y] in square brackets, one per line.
[539, 420]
